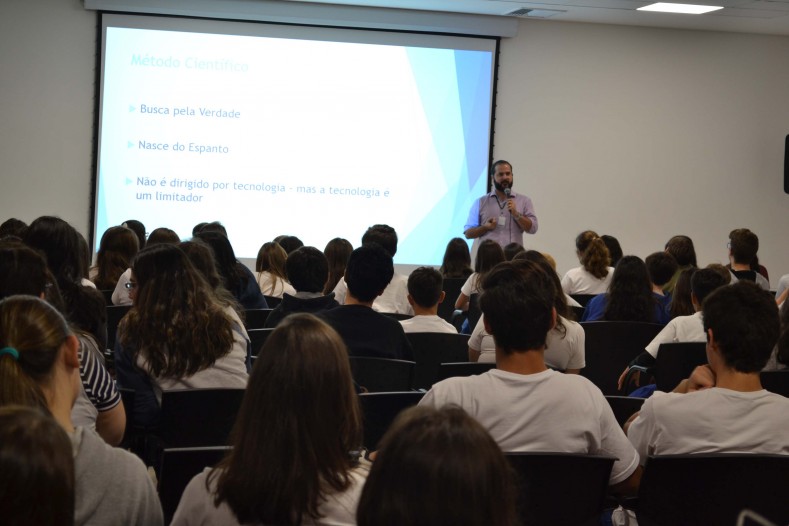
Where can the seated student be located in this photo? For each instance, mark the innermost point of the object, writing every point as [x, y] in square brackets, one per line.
[36, 468]
[307, 269]
[743, 246]
[457, 260]
[337, 252]
[270, 267]
[629, 296]
[394, 297]
[292, 460]
[661, 267]
[722, 407]
[438, 467]
[489, 254]
[117, 248]
[681, 247]
[366, 332]
[425, 292]
[524, 405]
[178, 334]
[594, 274]
[682, 328]
[39, 366]
[120, 296]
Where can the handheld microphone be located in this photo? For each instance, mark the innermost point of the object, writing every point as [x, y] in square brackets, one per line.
[507, 192]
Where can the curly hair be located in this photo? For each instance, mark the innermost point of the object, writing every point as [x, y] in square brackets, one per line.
[630, 295]
[593, 253]
[176, 324]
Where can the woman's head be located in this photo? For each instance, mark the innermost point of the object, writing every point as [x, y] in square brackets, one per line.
[438, 467]
[117, 248]
[36, 468]
[35, 340]
[681, 247]
[60, 244]
[593, 253]
[139, 230]
[457, 259]
[278, 474]
[337, 252]
[163, 235]
[630, 295]
[225, 257]
[489, 254]
[681, 300]
[271, 258]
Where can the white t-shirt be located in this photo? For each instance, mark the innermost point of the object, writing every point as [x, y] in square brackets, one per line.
[712, 420]
[471, 286]
[120, 296]
[579, 281]
[197, 504]
[680, 329]
[562, 351]
[543, 412]
[761, 281]
[394, 298]
[427, 324]
[274, 286]
[783, 284]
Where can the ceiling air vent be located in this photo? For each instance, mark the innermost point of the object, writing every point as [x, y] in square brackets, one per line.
[535, 13]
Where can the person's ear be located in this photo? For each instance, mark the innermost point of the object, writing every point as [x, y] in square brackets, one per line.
[442, 297]
[410, 300]
[71, 351]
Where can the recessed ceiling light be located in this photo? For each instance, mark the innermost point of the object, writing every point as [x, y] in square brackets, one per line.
[690, 9]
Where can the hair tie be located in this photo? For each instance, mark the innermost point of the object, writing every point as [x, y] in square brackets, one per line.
[10, 351]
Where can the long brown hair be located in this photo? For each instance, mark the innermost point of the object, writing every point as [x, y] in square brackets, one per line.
[298, 422]
[457, 260]
[337, 252]
[489, 254]
[117, 248]
[271, 259]
[36, 331]
[176, 322]
[593, 253]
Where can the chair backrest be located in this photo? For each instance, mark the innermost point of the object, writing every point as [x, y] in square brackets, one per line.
[178, 467]
[474, 312]
[452, 288]
[198, 417]
[578, 312]
[582, 299]
[107, 293]
[610, 346]
[382, 374]
[432, 349]
[379, 411]
[452, 369]
[255, 318]
[114, 315]
[257, 337]
[624, 407]
[712, 489]
[272, 301]
[399, 316]
[776, 381]
[561, 489]
[675, 362]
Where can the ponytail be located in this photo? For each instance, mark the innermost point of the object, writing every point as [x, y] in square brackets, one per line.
[593, 253]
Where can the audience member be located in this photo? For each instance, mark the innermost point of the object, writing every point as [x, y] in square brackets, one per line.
[723, 271]
[366, 332]
[783, 286]
[614, 249]
[290, 243]
[14, 228]
[213, 226]
[36, 469]
[743, 246]
[161, 235]
[594, 274]
[511, 250]
[139, 230]
[438, 467]
[237, 278]
[117, 248]
[292, 458]
[681, 247]
[722, 407]
[425, 292]
[489, 254]
[337, 252]
[270, 266]
[395, 297]
[779, 359]
[681, 303]
[524, 405]
[177, 335]
[39, 366]
[457, 260]
[661, 267]
[307, 269]
[202, 257]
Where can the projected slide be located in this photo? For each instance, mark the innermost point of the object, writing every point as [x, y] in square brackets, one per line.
[271, 135]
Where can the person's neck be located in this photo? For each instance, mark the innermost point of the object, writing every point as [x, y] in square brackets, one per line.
[729, 378]
[739, 266]
[59, 402]
[657, 289]
[424, 311]
[350, 299]
[521, 361]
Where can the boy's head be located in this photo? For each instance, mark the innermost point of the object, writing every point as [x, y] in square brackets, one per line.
[425, 287]
[741, 321]
[384, 235]
[307, 269]
[743, 245]
[369, 271]
[661, 267]
[704, 281]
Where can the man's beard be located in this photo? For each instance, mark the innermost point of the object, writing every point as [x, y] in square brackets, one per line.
[500, 187]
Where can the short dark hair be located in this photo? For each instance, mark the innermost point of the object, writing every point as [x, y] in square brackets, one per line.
[661, 267]
[745, 324]
[517, 301]
[425, 285]
[290, 243]
[13, 227]
[370, 269]
[307, 269]
[681, 247]
[497, 163]
[384, 235]
[704, 281]
[614, 248]
[512, 249]
[163, 235]
[744, 245]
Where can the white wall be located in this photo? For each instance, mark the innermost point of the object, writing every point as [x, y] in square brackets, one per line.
[639, 133]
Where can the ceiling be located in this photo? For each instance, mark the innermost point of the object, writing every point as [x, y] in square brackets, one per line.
[742, 16]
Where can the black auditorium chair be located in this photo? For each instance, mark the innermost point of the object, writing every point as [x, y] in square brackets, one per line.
[712, 489]
[582, 299]
[431, 349]
[578, 312]
[453, 369]
[624, 407]
[610, 346]
[272, 301]
[451, 292]
[560, 489]
[114, 315]
[776, 381]
[255, 318]
[474, 312]
[178, 466]
[377, 375]
[107, 293]
[257, 337]
[399, 316]
[198, 417]
[675, 362]
[379, 411]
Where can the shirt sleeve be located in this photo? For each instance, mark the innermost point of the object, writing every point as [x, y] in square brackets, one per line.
[475, 341]
[667, 334]
[473, 216]
[99, 385]
[578, 349]
[468, 286]
[528, 211]
[120, 296]
[642, 429]
[567, 284]
[615, 443]
[339, 291]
